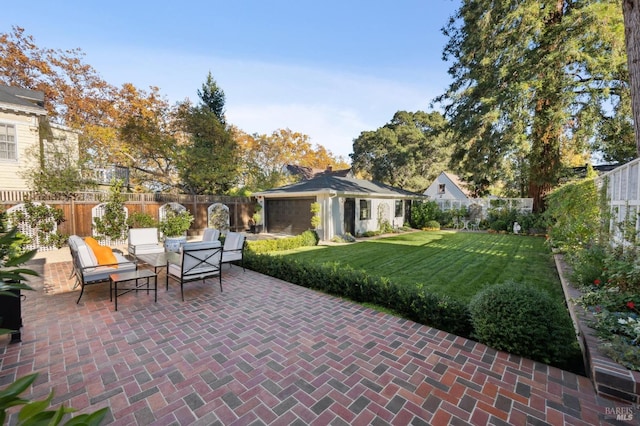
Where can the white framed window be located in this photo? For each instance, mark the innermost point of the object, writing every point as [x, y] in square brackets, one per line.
[8, 146]
[399, 208]
[365, 209]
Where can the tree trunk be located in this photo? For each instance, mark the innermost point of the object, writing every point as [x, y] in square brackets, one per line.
[544, 158]
[631, 11]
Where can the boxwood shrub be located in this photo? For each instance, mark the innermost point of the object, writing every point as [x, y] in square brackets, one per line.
[414, 303]
[522, 320]
[307, 238]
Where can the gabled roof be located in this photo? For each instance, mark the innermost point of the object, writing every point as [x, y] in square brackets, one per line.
[455, 179]
[338, 185]
[22, 100]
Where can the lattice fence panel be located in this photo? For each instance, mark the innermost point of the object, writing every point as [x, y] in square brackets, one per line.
[99, 211]
[36, 236]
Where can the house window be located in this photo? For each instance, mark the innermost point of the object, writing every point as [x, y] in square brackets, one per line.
[365, 209]
[441, 188]
[8, 142]
[399, 208]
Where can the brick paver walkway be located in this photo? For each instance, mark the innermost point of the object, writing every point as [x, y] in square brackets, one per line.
[268, 352]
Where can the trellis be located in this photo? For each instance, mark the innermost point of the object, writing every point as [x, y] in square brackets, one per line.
[99, 212]
[37, 237]
[218, 217]
[176, 207]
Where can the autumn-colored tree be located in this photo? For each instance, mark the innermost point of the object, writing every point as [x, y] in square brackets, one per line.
[149, 139]
[126, 125]
[75, 94]
[264, 157]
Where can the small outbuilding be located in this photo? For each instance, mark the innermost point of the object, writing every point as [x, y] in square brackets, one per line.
[347, 205]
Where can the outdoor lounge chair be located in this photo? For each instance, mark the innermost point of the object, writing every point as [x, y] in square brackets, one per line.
[198, 261]
[211, 234]
[233, 249]
[144, 241]
[88, 270]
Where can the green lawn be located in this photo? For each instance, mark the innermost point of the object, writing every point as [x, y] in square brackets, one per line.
[457, 264]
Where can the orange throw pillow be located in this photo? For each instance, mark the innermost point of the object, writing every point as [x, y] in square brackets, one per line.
[91, 242]
[104, 255]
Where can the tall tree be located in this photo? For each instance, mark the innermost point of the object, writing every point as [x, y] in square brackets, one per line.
[208, 162]
[631, 12]
[408, 152]
[149, 146]
[529, 78]
[212, 97]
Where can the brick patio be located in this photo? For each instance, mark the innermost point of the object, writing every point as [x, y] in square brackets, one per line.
[268, 352]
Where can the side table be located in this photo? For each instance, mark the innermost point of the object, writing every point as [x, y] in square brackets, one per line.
[136, 276]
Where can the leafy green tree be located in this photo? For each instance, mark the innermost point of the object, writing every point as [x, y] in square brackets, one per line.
[213, 97]
[208, 161]
[531, 78]
[112, 226]
[408, 152]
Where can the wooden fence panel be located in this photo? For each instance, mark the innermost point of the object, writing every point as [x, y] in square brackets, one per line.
[77, 210]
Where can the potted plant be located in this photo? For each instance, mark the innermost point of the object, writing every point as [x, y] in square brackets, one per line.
[174, 227]
[255, 224]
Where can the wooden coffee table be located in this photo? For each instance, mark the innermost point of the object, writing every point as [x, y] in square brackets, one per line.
[136, 277]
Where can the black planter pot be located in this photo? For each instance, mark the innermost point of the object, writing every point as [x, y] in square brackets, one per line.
[11, 314]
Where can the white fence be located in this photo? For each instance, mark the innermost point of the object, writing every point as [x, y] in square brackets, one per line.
[523, 205]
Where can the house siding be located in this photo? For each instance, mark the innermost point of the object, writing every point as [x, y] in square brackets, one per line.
[26, 137]
[381, 209]
[452, 191]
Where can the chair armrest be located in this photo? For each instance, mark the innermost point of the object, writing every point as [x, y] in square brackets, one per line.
[93, 267]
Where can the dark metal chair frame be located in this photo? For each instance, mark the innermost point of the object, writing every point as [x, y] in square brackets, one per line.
[197, 263]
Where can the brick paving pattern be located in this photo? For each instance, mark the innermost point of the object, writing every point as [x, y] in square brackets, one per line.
[267, 352]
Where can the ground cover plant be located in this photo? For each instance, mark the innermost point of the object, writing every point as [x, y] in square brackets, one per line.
[455, 264]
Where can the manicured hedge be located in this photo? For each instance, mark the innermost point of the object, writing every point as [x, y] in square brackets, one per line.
[441, 312]
[307, 238]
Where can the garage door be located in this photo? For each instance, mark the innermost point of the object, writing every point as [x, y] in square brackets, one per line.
[288, 215]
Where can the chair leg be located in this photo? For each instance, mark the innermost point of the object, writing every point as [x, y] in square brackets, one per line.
[81, 291]
[220, 275]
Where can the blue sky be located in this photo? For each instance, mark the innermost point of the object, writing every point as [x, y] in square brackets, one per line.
[329, 69]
